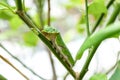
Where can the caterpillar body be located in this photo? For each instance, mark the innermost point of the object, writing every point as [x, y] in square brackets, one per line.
[61, 55]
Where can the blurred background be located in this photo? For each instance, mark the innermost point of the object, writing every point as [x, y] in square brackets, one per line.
[67, 16]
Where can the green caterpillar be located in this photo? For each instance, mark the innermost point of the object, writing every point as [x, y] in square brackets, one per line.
[57, 43]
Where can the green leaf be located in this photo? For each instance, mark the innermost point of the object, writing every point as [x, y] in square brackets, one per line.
[96, 38]
[15, 23]
[116, 74]
[97, 7]
[4, 1]
[81, 26]
[82, 19]
[36, 19]
[6, 14]
[30, 39]
[2, 77]
[99, 76]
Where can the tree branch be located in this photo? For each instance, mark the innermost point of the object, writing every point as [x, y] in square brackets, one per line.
[35, 29]
[4, 59]
[14, 57]
[87, 18]
[52, 65]
[49, 12]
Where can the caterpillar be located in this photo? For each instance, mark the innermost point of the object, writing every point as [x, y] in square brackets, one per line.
[61, 55]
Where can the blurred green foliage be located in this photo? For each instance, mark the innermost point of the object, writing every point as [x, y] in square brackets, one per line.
[15, 23]
[30, 39]
[97, 7]
[99, 76]
[2, 77]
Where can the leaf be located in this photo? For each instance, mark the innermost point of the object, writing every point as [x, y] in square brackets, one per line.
[98, 37]
[2, 77]
[116, 74]
[82, 19]
[81, 26]
[9, 34]
[30, 39]
[99, 76]
[15, 22]
[6, 14]
[97, 7]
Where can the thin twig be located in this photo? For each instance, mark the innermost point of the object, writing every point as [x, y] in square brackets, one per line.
[65, 76]
[8, 62]
[39, 4]
[14, 57]
[87, 18]
[52, 65]
[50, 55]
[49, 13]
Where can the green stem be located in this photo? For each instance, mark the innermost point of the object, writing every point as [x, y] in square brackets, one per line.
[14, 57]
[110, 3]
[19, 5]
[101, 16]
[114, 14]
[49, 13]
[87, 18]
[86, 65]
